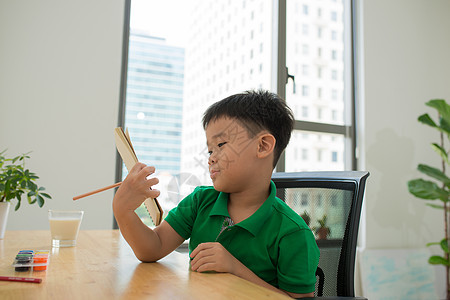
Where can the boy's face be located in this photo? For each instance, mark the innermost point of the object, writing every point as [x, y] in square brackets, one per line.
[232, 154]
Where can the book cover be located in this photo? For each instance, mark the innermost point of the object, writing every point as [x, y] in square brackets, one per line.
[126, 151]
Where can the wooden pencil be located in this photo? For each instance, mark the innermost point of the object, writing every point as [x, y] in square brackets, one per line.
[98, 191]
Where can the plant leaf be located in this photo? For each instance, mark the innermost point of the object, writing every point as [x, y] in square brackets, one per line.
[32, 186]
[444, 245]
[427, 190]
[441, 151]
[437, 206]
[438, 260]
[426, 119]
[46, 195]
[7, 187]
[432, 244]
[444, 124]
[441, 106]
[40, 200]
[17, 206]
[435, 173]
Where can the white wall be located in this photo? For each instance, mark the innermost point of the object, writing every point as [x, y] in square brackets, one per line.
[59, 95]
[406, 62]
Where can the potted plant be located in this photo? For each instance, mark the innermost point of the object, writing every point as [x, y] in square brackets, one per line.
[305, 216]
[17, 181]
[439, 187]
[323, 230]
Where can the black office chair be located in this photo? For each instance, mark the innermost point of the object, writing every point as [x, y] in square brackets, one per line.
[330, 200]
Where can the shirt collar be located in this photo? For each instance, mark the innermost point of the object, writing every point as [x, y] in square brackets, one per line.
[220, 207]
[255, 222]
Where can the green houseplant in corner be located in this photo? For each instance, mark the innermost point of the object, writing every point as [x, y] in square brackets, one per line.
[16, 182]
[439, 187]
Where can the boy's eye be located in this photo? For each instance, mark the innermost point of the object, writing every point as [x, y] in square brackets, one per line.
[219, 145]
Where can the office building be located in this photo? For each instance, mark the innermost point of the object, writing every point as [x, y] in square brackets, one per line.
[229, 50]
[154, 100]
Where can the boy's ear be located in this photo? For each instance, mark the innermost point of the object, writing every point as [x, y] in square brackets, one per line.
[266, 145]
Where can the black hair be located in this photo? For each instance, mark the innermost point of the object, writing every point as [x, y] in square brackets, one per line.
[256, 111]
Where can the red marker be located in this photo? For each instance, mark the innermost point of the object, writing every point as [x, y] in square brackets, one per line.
[20, 279]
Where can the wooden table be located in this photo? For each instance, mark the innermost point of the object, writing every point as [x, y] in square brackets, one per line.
[103, 266]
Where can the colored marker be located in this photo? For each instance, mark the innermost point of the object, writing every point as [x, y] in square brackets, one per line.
[20, 279]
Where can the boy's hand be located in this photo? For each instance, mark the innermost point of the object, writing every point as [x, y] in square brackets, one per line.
[135, 189]
[213, 257]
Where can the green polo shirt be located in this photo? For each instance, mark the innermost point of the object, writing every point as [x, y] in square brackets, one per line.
[275, 243]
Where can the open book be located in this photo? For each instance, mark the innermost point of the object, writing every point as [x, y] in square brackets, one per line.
[126, 151]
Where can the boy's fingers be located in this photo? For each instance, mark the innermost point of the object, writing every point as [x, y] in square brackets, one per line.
[153, 194]
[152, 181]
[206, 267]
[137, 167]
[147, 171]
[202, 258]
[201, 247]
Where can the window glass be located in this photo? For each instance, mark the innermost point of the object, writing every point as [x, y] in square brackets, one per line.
[322, 94]
[202, 51]
[178, 64]
[315, 152]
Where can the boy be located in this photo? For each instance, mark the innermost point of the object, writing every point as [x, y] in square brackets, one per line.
[237, 226]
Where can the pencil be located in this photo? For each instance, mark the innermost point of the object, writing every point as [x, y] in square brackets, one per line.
[20, 279]
[97, 191]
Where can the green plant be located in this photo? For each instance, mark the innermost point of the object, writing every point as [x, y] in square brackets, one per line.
[16, 181]
[306, 217]
[430, 190]
[323, 230]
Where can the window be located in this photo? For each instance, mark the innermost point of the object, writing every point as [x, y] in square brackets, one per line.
[305, 49]
[304, 154]
[304, 199]
[334, 155]
[305, 29]
[334, 74]
[334, 35]
[305, 110]
[333, 54]
[305, 91]
[179, 63]
[334, 16]
[305, 70]
[305, 9]
[319, 200]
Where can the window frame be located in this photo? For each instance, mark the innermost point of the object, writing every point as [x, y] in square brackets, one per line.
[280, 79]
[279, 82]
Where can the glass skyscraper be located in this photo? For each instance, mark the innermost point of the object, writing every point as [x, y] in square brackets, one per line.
[154, 101]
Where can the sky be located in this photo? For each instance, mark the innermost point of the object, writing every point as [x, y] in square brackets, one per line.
[161, 18]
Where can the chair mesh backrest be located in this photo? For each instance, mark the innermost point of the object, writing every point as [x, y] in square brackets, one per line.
[336, 195]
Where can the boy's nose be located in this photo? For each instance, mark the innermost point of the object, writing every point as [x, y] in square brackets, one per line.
[211, 160]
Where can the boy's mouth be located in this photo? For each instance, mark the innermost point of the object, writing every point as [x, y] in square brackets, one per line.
[213, 173]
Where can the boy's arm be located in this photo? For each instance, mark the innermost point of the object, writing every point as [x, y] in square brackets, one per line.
[214, 257]
[148, 245]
